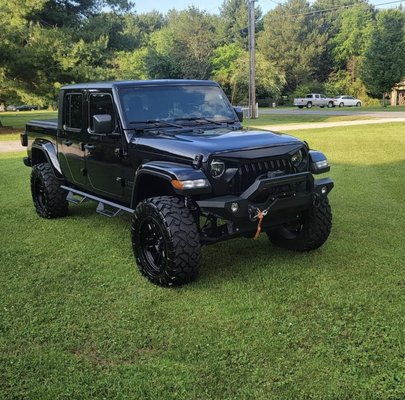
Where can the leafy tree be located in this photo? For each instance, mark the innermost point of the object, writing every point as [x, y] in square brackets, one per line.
[184, 47]
[234, 22]
[291, 40]
[384, 58]
[350, 42]
[231, 70]
[328, 16]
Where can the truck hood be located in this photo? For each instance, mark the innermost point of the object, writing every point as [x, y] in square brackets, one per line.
[188, 145]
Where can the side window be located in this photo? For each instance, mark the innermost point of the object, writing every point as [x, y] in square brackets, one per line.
[100, 104]
[73, 110]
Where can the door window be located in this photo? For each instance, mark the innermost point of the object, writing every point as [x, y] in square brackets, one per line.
[73, 110]
[100, 103]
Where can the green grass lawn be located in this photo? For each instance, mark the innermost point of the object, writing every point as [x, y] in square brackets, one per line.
[19, 119]
[78, 321]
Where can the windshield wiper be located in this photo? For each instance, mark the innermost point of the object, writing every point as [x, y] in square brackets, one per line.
[204, 120]
[158, 123]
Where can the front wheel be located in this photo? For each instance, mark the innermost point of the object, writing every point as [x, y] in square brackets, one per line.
[48, 197]
[165, 241]
[358, 104]
[341, 104]
[309, 232]
[330, 104]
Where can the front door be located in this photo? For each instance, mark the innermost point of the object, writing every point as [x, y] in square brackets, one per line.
[103, 151]
[71, 138]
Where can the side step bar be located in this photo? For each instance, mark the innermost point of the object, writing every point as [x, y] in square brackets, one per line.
[113, 210]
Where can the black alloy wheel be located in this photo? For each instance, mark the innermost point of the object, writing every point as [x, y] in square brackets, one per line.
[48, 197]
[166, 241]
[153, 246]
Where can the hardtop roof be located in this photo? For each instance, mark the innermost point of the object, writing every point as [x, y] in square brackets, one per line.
[152, 82]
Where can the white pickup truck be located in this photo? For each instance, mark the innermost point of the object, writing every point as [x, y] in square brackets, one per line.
[314, 99]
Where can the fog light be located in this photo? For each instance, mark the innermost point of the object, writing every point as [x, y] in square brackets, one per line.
[234, 207]
[324, 189]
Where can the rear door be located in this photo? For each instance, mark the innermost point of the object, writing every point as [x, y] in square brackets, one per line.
[71, 137]
[103, 151]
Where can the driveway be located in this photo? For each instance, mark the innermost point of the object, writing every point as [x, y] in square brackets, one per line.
[335, 112]
[11, 146]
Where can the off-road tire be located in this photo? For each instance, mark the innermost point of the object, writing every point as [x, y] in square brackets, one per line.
[175, 227]
[312, 231]
[48, 197]
[309, 104]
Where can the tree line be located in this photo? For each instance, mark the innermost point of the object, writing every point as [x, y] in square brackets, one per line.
[336, 46]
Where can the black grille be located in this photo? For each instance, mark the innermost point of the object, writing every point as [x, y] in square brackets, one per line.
[248, 172]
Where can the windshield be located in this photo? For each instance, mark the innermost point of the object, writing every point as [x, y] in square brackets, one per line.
[180, 103]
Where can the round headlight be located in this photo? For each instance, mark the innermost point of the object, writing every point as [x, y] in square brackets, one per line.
[296, 158]
[217, 168]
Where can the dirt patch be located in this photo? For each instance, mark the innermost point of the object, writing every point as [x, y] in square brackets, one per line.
[8, 129]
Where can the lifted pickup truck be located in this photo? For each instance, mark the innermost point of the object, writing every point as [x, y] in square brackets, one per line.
[314, 99]
[174, 155]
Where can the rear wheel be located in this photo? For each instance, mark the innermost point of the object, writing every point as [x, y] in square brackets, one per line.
[48, 197]
[330, 104]
[309, 232]
[165, 241]
[358, 104]
[309, 105]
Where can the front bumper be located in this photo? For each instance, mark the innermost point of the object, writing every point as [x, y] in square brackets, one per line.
[283, 196]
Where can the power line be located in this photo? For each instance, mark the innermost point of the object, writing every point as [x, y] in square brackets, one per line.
[343, 6]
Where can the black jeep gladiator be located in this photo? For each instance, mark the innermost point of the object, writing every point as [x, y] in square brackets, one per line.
[173, 154]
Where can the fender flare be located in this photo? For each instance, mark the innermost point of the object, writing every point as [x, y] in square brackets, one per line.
[168, 171]
[50, 152]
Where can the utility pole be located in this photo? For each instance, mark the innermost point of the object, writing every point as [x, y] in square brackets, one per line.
[252, 58]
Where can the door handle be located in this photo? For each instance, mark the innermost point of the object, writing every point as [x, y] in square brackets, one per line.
[89, 147]
[67, 142]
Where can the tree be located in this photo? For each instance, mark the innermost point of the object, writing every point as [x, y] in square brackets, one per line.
[231, 70]
[291, 40]
[384, 58]
[351, 40]
[184, 47]
[234, 22]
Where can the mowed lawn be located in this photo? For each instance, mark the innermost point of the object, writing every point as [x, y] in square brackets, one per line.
[77, 320]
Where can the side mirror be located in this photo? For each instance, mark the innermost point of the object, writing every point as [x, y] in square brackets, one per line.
[102, 124]
[239, 113]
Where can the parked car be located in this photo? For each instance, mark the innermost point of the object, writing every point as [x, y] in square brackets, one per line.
[10, 108]
[346, 101]
[313, 99]
[26, 108]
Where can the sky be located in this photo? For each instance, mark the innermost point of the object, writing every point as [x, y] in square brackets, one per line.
[212, 6]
